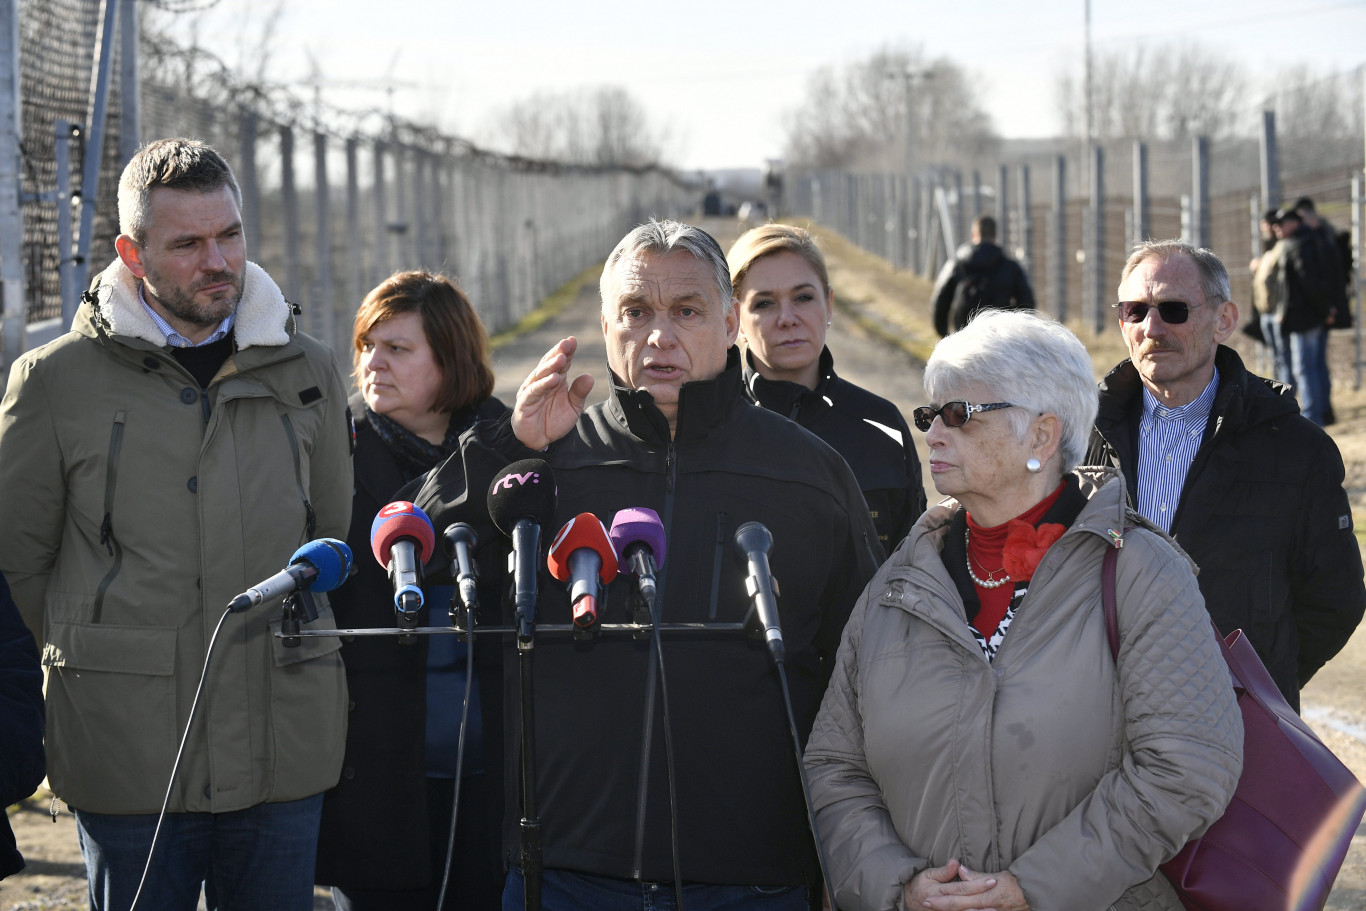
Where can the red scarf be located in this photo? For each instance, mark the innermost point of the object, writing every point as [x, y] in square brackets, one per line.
[1015, 548]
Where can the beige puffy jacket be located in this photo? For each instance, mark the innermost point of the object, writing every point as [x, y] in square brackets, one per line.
[1076, 775]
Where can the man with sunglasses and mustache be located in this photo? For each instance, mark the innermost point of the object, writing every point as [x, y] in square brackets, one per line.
[1224, 462]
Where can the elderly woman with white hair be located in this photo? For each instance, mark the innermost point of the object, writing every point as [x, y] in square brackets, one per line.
[979, 746]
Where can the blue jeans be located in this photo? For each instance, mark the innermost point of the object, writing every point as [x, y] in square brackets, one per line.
[1309, 364]
[563, 890]
[247, 860]
[1280, 351]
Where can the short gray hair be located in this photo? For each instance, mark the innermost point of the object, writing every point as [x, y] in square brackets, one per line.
[1213, 276]
[176, 164]
[1027, 359]
[660, 238]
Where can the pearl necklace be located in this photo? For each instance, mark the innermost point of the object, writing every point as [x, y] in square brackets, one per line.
[988, 583]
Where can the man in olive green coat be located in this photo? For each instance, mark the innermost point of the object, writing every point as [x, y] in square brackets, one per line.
[172, 450]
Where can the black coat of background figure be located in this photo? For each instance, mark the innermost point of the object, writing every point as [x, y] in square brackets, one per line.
[21, 722]
[378, 830]
[981, 277]
[1263, 514]
[867, 430]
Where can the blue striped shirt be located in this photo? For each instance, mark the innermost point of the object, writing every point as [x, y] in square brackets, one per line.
[1168, 439]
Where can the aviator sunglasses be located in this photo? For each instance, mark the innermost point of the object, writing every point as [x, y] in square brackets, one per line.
[1173, 313]
[953, 414]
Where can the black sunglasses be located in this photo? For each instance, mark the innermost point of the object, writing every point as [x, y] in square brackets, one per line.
[953, 414]
[1173, 313]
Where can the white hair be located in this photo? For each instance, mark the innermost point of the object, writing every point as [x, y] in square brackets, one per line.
[1026, 359]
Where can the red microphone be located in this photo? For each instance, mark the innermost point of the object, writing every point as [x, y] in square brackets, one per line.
[581, 554]
[402, 538]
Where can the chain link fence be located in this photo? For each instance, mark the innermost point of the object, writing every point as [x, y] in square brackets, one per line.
[333, 200]
[1071, 215]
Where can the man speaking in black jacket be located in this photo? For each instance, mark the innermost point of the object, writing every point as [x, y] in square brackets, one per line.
[676, 435]
[1224, 461]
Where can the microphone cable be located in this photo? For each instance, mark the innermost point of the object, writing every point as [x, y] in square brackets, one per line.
[179, 753]
[653, 605]
[459, 752]
[806, 785]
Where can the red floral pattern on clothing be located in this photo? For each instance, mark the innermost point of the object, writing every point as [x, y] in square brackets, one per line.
[1025, 546]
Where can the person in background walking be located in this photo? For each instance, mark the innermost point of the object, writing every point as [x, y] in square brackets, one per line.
[982, 277]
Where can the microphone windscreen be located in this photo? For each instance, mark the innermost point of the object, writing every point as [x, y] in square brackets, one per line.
[638, 524]
[752, 537]
[523, 490]
[401, 519]
[584, 530]
[330, 557]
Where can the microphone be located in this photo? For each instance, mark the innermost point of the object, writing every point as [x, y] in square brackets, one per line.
[638, 539]
[402, 538]
[753, 543]
[458, 539]
[319, 565]
[521, 499]
[581, 554]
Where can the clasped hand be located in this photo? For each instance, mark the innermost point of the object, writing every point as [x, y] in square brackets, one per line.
[953, 887]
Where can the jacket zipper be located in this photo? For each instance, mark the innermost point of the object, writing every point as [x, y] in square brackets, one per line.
[311, 518]
[716, 563]
[107, 536]
[651, 674]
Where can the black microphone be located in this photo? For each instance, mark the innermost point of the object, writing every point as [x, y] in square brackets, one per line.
[753, 543]
[319, 565]
[458, 539]
[521, 499]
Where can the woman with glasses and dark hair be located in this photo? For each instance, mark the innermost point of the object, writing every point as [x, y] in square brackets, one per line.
[786, 306]
[979, 746]
[422, 366]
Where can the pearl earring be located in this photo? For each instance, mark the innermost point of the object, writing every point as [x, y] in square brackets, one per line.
[1034, 466]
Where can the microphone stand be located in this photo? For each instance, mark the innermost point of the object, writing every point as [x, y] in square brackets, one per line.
[525, 601]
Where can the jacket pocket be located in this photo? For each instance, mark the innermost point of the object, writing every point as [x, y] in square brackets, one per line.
[307, 711]
[111, 713]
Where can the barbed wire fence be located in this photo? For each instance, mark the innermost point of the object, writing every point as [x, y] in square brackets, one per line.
[334, 200]
[1071, 218]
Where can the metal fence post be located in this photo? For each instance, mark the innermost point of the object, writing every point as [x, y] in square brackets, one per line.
[381, 244]
[247, 179]
[1026, 249]
[130, 100]
[1002, 208]
[1095, 257]
[13, 325]
[94, 147]
[1270, 161]
[289, 193]
[1057, 280]
[1200, 220]
[355, 273]
[1141, 223]
[324, 318]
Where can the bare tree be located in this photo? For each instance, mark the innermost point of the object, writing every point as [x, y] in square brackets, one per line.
[856, 116]
[1172, 91]
[602, 126]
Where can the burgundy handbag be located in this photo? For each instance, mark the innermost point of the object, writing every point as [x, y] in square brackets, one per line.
[1283, 838]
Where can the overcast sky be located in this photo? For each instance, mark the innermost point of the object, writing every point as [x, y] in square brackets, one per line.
[721, 77]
